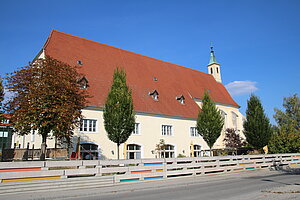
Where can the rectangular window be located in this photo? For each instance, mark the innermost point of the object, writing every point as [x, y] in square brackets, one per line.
[136, 130]
[3, 134]
[5, 121]
[194, 132]
[166, 130]
[32, 135]
[234, 120]
[88, 125]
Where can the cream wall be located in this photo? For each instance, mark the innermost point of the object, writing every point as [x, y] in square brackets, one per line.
[149, 135]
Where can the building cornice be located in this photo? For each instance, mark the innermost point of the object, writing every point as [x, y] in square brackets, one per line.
[217, 103]
[95, 108]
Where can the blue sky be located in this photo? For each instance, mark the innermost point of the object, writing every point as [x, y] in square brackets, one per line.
[256, 42]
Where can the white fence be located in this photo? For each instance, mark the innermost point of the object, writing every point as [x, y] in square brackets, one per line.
[142, 169]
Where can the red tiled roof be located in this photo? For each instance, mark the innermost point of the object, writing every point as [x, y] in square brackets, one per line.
[100, 60]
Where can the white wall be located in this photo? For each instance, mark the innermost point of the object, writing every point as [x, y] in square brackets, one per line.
[150, 134]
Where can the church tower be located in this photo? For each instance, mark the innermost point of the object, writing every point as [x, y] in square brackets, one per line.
[213, 67]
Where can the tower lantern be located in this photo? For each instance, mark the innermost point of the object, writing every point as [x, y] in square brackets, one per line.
[213, 67]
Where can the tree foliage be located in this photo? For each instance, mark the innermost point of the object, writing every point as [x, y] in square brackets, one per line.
[209, 122]
[232, 139]
[47, 98]
[160, 147]
[291, 115]
[257, 127]
[119, 116]
[286, 137]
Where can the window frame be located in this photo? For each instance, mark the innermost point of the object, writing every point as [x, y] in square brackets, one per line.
[4, 134]
[170, 152]
[32, 138]
[136, 130]
[87, 126]
[194, 132]
[167, 130]
[197, 152]
[224, 114]
[234, 118]
[134, 151]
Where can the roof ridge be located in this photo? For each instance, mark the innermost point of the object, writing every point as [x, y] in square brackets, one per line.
[48, 39]
[123, 50]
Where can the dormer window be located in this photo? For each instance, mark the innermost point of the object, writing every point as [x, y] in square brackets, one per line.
[83, 83]
[154, 95]
[181, 99]
[79, 62]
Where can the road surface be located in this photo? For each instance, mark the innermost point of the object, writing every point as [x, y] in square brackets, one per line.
[254, 185]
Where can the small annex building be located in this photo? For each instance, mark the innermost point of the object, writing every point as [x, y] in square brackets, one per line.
[166, 97]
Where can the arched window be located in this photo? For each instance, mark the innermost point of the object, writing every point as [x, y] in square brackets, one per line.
[133, 151]
[211, 70]
[234, 120]
[167, 152]
[89, 151]
[197, 150]
[224, 115]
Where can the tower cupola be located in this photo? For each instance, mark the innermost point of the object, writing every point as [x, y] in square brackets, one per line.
[213, 67]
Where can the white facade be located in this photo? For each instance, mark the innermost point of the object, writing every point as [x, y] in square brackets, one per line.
[149, 134]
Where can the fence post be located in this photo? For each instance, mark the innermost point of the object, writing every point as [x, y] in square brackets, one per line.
[165, 169]
[99, 170]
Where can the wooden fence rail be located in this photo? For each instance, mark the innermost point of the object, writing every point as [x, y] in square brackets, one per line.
[141, 169]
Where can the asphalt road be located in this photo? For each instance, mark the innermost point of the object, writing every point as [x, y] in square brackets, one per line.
[254, 185]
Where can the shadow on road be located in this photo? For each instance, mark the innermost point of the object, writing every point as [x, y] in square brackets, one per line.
[290, 170]
[283, 171]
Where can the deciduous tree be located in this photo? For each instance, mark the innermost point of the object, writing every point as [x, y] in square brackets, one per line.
[209, 122]
[232, 139]
[119, 116]
[257, 127]
[160, 148]
[286, 137]
[47, 98]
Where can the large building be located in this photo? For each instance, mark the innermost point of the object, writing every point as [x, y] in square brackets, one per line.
[167, 98]
[6, 132]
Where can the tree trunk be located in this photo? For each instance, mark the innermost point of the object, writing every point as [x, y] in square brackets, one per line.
[118, 145]
[55, 147]
[43, 147]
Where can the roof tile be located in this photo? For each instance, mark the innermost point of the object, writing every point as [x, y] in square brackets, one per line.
[100, 60]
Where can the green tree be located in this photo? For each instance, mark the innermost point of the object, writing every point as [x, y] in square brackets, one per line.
[291, 115]
[209, 122]
[47, 98]
[257, 127]
[286, 137]
[119, 116]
